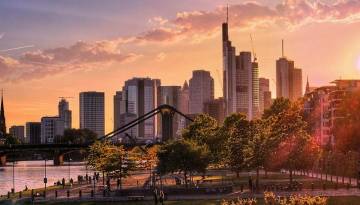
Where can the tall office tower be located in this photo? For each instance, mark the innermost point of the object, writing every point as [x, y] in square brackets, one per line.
[65, 113]
[288, 78]
[92, 112]
[264, 88]
[170, 95]
[201, 90]
[51, 129]
[229, 70]
[247, 84]
[183, 106]
[119, 108]
[33, 132]
[297, 91]
[18, 132]
[141, 96]
[216, 109]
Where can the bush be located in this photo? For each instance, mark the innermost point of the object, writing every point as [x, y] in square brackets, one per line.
[271, 199]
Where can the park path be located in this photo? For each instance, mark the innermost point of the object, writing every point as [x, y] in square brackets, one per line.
[329, 177]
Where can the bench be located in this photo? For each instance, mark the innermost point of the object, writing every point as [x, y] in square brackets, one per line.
[136, 198]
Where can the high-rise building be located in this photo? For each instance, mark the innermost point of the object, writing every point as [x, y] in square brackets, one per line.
[183, 106]
[229, 71]
[240, 79]
[264, 94]
[201, 90]
[141, 96]
[216, 109]
[33, 132]
[119, 108]
[17, 131]
[65, 113]
[52, 128]
[288, 78]
[170, 95]
[92, 112]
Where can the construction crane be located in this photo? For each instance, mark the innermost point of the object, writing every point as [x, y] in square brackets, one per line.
[252, 48]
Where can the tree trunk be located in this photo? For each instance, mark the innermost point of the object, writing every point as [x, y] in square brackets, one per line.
[291, 176]
[120, 182]
[237, 174]
[257, 178]
[266, 173]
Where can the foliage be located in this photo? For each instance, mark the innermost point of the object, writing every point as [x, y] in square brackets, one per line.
[146, 159]
[237, 131]
[78, 136]
[9, 139]
[271, 199]
[183, 156]
[205, 131]
[277, 107]
[110, 159]
[240, 201]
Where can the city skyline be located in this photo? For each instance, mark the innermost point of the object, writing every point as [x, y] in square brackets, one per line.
[30, 97]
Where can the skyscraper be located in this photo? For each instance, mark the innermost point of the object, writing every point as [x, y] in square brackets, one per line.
[92, 112]
[33, 132]
[65, 113]
[141, 96]
[229, 70]
[240, 79]
[264, 94]
[183, 106]
[119, 108]
[170, 95]
[201, 90]
[288, 78]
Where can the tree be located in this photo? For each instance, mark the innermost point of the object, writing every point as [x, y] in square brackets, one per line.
[110, 159]
[205, 131]
[237, 130]
[78, 136]
[183, 156]
[10, 139]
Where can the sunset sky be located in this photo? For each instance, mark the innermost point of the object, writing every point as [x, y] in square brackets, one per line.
[59, 48]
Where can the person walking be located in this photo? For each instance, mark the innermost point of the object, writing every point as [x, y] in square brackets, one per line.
[155, 194]
[250, 184]
[162, 197]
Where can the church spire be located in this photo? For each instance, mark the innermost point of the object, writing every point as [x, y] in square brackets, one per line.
[307, 89]
[2, 116]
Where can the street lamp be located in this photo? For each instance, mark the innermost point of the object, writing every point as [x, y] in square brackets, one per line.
[69, 168]
[45, 179]
[13, 173]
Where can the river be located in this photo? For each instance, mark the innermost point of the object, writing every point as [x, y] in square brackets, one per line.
[31, 173]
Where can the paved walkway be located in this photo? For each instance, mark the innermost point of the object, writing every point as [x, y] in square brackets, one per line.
[329, 177]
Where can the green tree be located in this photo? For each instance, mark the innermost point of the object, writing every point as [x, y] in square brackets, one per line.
[110, 159]
[183, 156]
[205, 131]
[78, 136]
[237, 129]
[9, 139]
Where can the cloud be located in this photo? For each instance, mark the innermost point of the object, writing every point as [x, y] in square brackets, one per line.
[160, 56]
[80, 56]
[2, 35]
[288, 14]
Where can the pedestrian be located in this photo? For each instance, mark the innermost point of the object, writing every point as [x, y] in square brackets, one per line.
[108, 183]
[155, 194]
[26, 188]
[162, 197]
[63, 182]
[118, 183]
[250, 184]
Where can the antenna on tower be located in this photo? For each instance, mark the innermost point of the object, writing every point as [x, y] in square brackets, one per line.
[282, 47]
[227, 13]
[252, 47]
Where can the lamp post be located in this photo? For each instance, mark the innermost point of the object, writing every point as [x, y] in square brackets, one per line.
[13, 174]
[45, 178]
[69, 167]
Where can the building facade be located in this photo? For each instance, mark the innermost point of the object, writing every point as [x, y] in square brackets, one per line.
[264, 94]
[33, 132]
[201, 90]
[92, 112]
[52, 128]
[216, 109]
[65, 113]
[18, 131]
[170, 95]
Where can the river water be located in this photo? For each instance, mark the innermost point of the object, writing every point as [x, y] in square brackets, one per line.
[31, 173]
